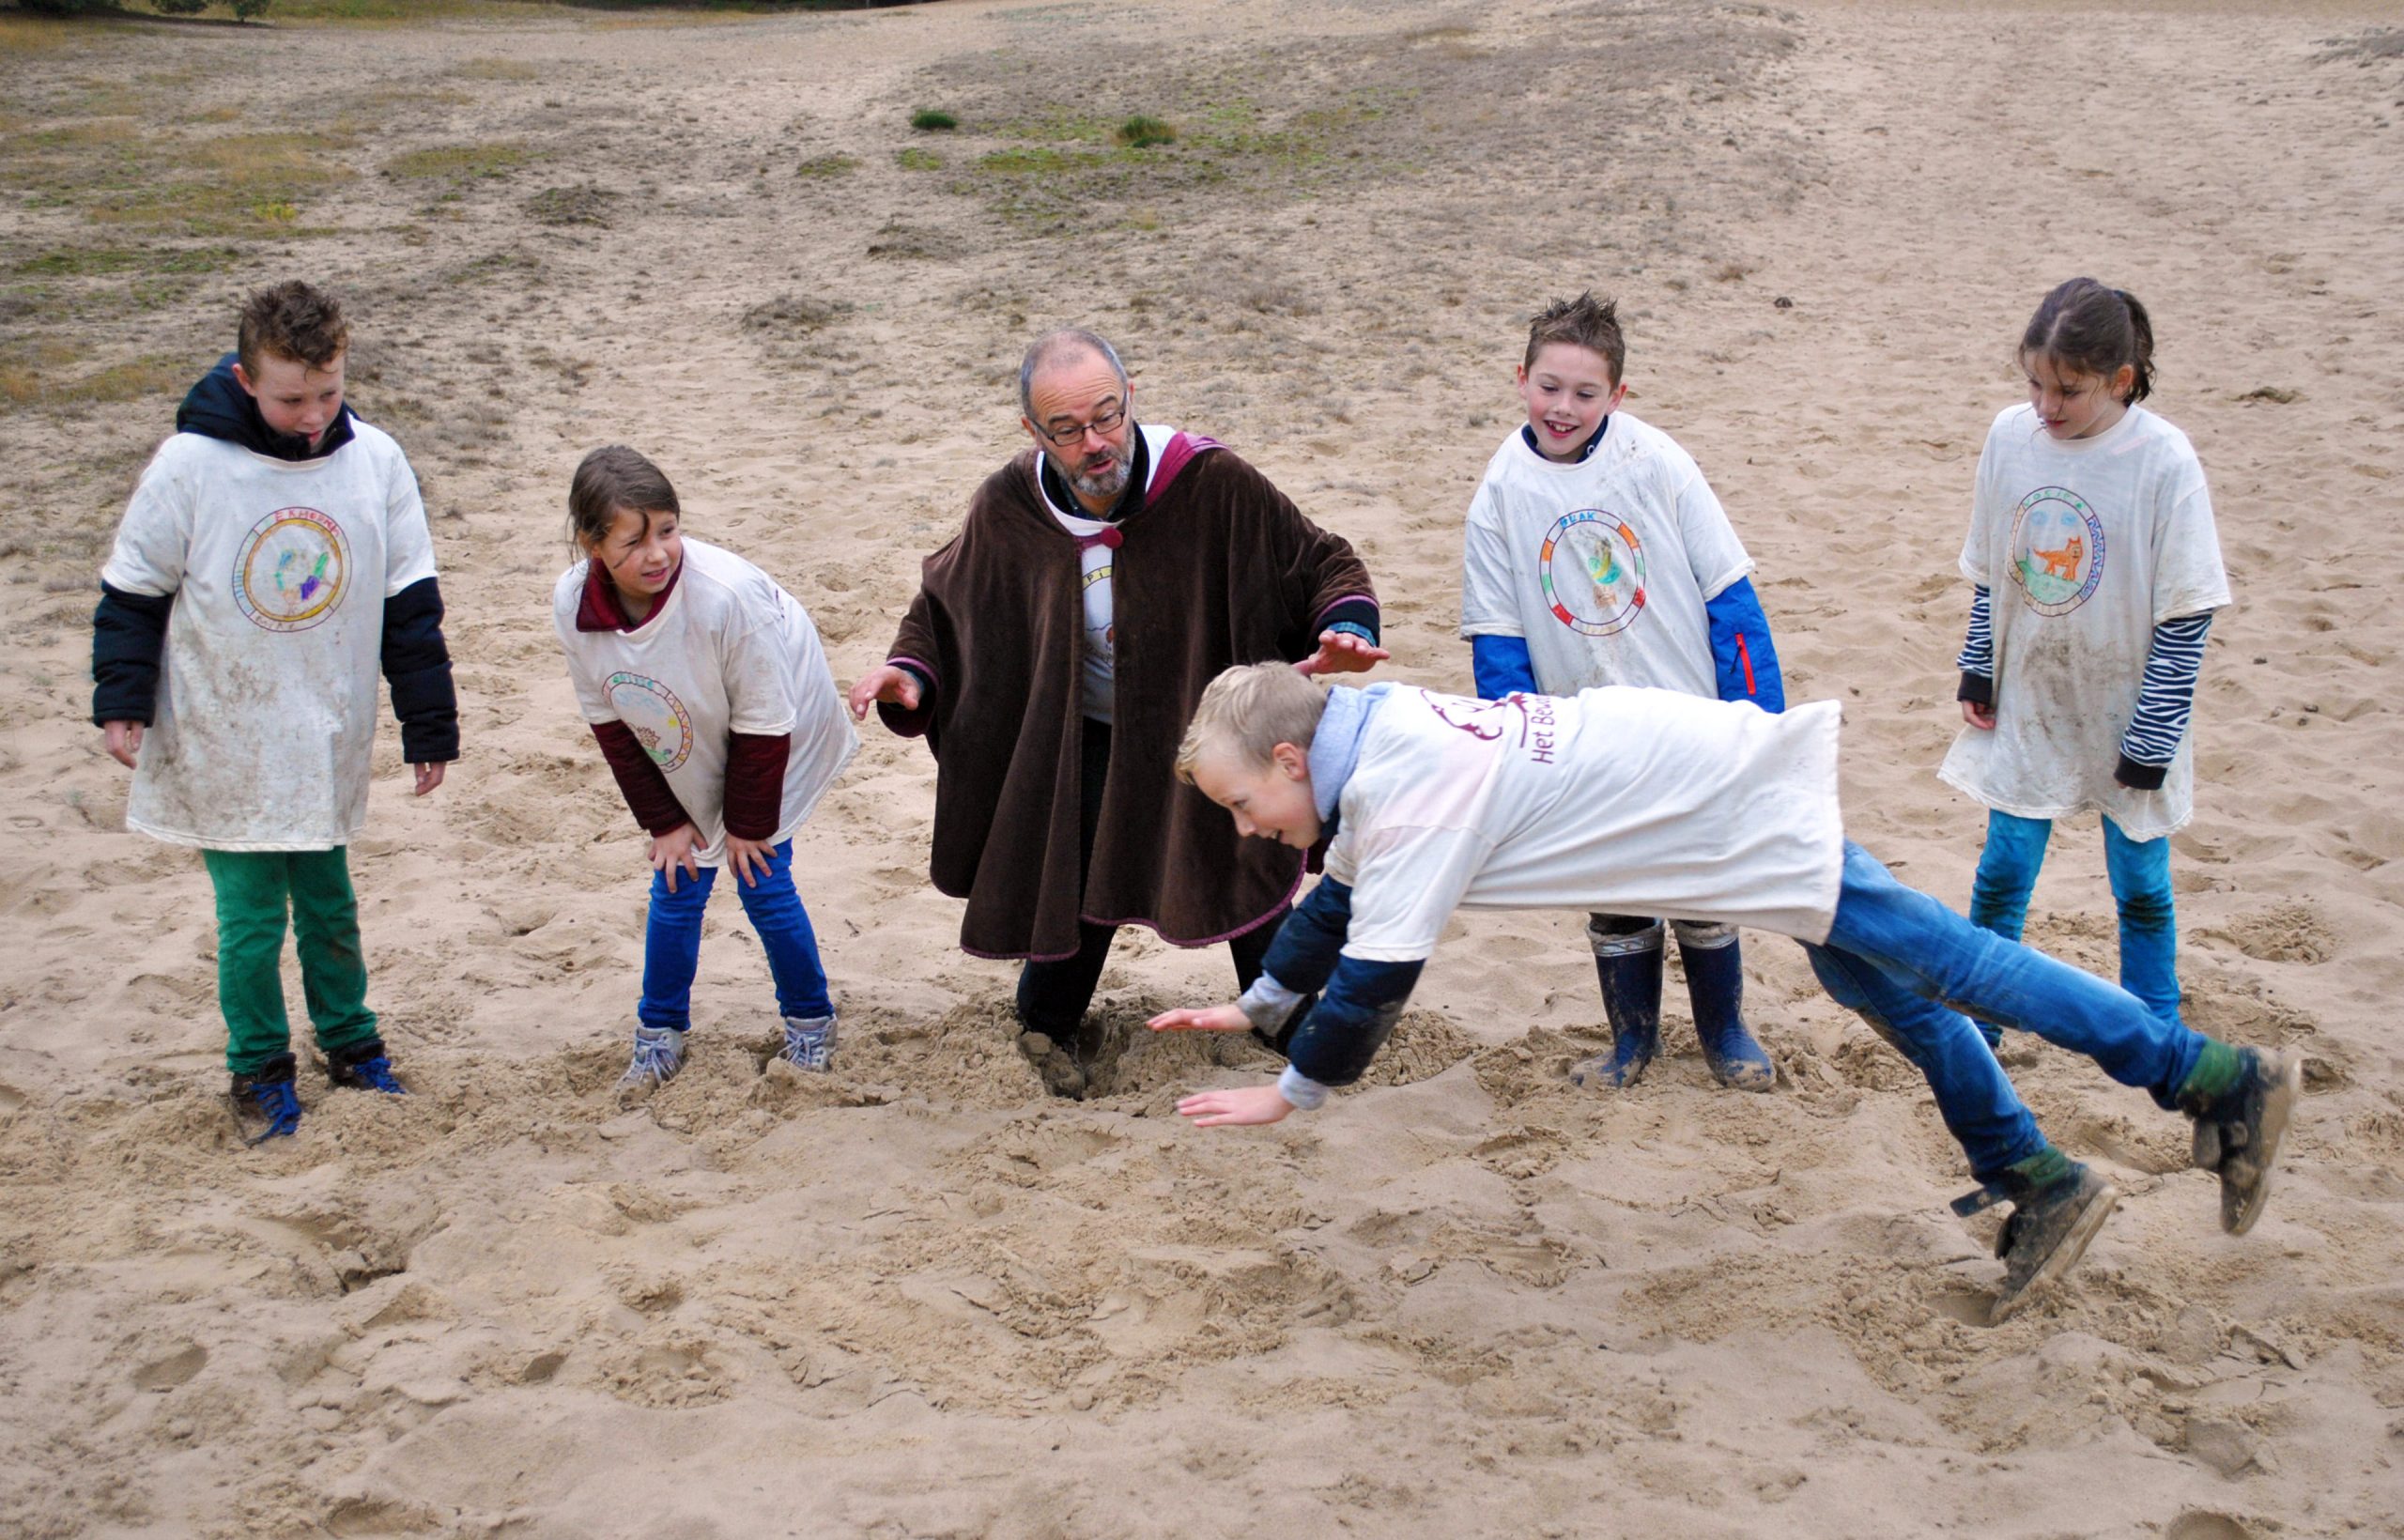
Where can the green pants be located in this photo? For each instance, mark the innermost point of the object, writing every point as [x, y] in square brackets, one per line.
[254, 891]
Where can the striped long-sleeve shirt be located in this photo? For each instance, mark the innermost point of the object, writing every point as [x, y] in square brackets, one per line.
[2165, 697]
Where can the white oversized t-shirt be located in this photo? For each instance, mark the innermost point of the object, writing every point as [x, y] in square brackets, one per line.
[266, 701]
[2084, 547]
[726, 651]
[1619, 801]
[1602, 565]
[1097, 694]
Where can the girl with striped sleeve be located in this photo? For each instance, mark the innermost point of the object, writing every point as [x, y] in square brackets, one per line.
[2096, 569]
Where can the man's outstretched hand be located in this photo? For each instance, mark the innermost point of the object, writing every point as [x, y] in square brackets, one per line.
[1247, 1106]
[892, 686]
[1341, 652]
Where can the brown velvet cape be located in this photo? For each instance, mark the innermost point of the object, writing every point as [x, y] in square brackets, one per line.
[1217, 568]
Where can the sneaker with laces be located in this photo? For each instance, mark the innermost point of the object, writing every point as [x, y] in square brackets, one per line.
[2052, 1222]
[659, 1053]
[810, 1042]
[2238, 1133]
[266, 1102]
[365, 1067]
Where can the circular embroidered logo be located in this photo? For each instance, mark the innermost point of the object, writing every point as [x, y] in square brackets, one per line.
[2057, 550]
[291, 569]
[1593, 570]
[659, 721]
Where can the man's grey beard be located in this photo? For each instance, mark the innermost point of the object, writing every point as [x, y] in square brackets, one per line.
[1106, 486]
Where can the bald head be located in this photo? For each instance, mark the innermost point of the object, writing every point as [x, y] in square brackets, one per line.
[1067, 346]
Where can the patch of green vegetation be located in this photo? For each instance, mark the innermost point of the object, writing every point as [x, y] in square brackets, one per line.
[459, 162]
[914, 159]
[1141, 133]
[107, 261]
[934, 121]
[838, 164]
[45, 375]
[120, 173]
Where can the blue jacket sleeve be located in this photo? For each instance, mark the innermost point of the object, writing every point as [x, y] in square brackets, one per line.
[1501, 665]
[129, 637]
[1741, 649]
[417, 665]
[1354, 1015]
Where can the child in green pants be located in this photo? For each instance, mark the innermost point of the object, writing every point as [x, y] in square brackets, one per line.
[274, 556]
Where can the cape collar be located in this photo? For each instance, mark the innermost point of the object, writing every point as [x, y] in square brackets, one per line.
[1161, 455]
[217, 406]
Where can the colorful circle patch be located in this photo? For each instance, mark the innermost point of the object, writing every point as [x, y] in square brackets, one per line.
[2057, 550]
[291, 570]
[1593, 570]
[660, 721]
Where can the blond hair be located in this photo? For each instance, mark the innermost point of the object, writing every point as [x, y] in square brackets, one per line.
[1250, 709]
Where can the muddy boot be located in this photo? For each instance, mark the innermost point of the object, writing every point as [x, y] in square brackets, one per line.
[2241, 1100]
[2057, 1206]
[266, 1103]
[1628, 963]
[1716, 988]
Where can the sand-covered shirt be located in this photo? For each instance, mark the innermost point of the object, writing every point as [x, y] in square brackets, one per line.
[1602, 565]
[725, 650]
[2084, 546]
[266, 711]
[1617, 800]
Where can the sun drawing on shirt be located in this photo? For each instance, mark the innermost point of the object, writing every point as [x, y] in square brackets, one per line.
[654, 714]
[1597, 587]
[288, 571]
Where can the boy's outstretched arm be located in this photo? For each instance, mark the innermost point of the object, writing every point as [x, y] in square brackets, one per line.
[1741, 649]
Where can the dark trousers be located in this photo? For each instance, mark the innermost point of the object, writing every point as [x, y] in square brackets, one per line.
[1053, 996]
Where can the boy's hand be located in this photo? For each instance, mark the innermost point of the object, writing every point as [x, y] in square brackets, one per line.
[429, 776]
[1341, 652]
[1246, 1107]
[750, 858]
[1207, 1019]
[892, 686]
[124, 740]
[1981, 718]
[672, 850]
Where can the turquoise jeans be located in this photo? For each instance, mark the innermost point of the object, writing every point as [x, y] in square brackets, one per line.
[2139, 871]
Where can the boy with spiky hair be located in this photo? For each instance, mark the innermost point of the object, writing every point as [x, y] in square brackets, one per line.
[274, 556]
[1653, 802]
[1595, 553]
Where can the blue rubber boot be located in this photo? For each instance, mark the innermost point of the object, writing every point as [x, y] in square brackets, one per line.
[1628, 964]
[1716, 988]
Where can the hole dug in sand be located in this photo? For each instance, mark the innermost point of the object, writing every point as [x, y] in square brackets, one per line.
[1116, 1055]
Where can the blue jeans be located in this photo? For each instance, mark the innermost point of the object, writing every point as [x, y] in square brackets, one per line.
[671, 948]
[2140, 874]
[1912, 968]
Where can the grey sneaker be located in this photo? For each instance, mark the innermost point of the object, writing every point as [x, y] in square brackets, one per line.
[2238, 1135]
[659, 1053]
[810, 1042]
[2047, 1233]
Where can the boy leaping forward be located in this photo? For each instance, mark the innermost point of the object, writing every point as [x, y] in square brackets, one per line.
[1638, 801]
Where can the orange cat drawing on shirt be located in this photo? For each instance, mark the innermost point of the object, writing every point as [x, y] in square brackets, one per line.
[2063, 564]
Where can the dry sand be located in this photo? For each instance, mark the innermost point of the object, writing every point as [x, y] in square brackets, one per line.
[924, 1297]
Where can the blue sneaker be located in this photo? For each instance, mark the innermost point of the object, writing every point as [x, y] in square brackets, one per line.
[810, 1042]
[659, 1053]
[365, 1067]
[267, 1104]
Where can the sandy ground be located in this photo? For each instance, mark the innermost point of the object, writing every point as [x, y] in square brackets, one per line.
[923, 1297]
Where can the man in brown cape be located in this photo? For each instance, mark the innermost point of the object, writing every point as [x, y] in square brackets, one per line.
[1054, 650]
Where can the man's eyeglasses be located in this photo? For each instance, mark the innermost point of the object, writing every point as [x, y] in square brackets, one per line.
[1105, 422]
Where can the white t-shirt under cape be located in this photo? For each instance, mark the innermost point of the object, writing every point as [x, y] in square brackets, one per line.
[2084, 547]
[266, 701]
[1096, 693]
[728, 650]
[1620, 801]
[1603, 565]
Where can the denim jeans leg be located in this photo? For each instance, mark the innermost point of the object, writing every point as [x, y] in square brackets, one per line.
[2008, 871]
[1944, 957]
[1973, 1095]
[2140, 873]
[671, 948]
[782, 925]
